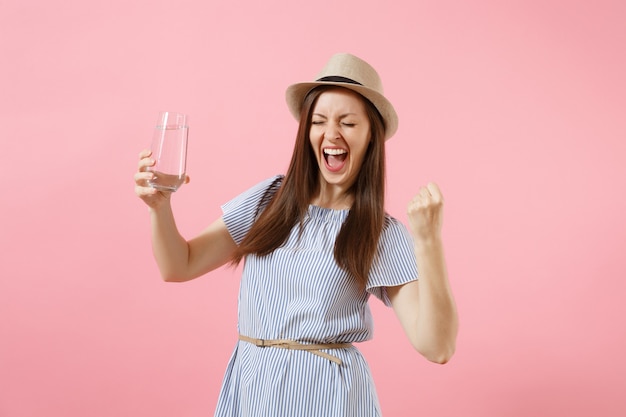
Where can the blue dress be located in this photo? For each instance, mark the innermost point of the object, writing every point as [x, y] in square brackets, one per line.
[299, 293]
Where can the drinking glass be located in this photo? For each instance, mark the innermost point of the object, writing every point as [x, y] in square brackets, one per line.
[169, 150]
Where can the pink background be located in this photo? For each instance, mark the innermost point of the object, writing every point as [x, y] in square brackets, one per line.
[517, 109]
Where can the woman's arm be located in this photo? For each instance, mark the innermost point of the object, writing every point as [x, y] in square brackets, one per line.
[426, 308]
[180, 260]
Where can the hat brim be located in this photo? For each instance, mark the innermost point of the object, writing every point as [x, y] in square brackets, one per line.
[296, 93]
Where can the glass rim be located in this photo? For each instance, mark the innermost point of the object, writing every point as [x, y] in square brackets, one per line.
[172, 119]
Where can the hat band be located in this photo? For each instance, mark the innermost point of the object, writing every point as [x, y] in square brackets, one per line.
[338, 79]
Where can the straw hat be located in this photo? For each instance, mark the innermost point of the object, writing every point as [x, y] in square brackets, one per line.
[348, 71]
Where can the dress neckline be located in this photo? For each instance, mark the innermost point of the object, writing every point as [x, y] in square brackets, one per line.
[327, 213]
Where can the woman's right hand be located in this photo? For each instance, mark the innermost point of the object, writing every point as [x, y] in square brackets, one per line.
[151, 196]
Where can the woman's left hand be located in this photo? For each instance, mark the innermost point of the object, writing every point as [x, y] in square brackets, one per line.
[426, 307]
[425, 213]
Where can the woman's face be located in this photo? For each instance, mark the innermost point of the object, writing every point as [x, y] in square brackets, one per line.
[340, 134]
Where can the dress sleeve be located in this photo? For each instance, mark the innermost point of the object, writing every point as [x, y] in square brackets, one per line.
[240, 213]
[395, 262]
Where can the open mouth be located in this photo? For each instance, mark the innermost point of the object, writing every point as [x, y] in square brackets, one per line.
[335, 158]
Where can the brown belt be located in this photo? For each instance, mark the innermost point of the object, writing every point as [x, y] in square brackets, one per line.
[292, 344]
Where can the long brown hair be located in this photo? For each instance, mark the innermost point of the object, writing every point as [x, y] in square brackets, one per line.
[357, 241]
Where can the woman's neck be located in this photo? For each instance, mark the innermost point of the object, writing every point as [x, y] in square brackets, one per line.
[332, 197]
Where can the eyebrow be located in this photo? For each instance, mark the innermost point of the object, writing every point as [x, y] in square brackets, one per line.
[340, 117]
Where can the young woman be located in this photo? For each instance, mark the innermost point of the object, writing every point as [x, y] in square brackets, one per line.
[316, 243]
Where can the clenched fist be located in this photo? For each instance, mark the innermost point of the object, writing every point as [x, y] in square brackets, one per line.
[425, 213]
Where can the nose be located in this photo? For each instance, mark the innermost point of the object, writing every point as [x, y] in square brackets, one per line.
[332, 132]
